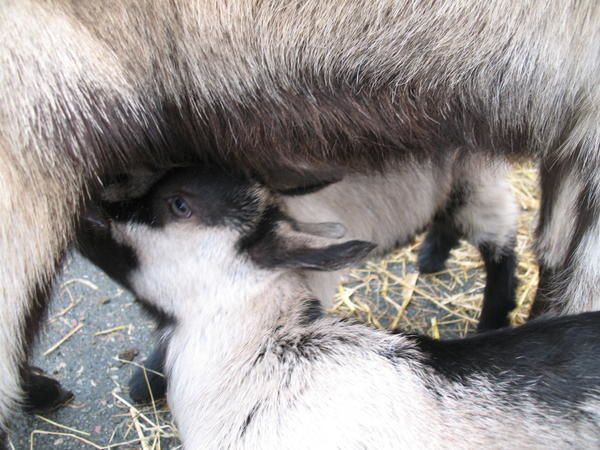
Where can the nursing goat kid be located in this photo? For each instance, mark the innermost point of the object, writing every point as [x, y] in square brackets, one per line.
[293, 92]
[253, 362]
[460, 195]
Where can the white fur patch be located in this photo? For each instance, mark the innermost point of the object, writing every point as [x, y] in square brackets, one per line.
[181, 260]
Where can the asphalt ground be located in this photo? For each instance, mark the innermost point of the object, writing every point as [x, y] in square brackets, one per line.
[107, 326]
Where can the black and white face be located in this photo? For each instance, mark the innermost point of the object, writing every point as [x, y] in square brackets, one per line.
[200, 234]
[182, 236]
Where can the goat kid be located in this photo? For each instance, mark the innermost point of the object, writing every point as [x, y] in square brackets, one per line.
[459, 195]
[253, 362]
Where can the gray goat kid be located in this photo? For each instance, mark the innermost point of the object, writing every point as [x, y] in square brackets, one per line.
[458, 196]
[253, 362]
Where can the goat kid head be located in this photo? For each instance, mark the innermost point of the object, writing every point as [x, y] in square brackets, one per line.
[199, 237]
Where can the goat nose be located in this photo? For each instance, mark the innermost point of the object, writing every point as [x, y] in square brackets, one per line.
[95, 218]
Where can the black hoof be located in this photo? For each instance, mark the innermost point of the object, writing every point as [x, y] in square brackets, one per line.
[499, 297]
[430, 262]
[150, 384]
[434, 251]
[43, 394]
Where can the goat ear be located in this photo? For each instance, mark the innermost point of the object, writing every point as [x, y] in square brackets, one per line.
[332, 257]
[287, 246]
[332, 230]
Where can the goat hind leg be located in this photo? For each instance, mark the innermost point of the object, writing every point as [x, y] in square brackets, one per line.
[33, 236]
[488, 220]
[442, 236]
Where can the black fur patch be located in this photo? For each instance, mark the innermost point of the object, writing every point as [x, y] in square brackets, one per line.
[162, 318]
[272, 251]
[36, 314]
[263, 236]
[311, 310]
[436, 247]
[151, 386]
[443, 234]
[216, 197]
[267, 249]
[42, 393]
[333, 257]
[500, 287]
[305, 346]
[134, 211]
[307, 188]
[548, 285]
[309, 345]
[115, 259]
[248, 420]
[555, 361]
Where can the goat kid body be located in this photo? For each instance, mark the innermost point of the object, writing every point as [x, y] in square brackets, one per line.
[258, 375]
[313, 87]
[460, 196]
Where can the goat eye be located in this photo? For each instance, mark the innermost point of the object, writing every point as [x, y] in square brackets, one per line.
[180, 208]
